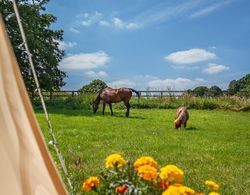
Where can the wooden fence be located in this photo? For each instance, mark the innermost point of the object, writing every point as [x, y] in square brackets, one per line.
[146, 94]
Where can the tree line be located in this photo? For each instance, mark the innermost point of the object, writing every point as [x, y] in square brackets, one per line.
[239, 87]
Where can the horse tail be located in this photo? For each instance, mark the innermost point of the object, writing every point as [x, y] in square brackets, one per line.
[137, 93]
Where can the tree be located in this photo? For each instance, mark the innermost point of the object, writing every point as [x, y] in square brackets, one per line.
[233, 87]
[240, 87]
[94, 86]
[42, 41]
[214, 91]
[245, 92]
[200, 91]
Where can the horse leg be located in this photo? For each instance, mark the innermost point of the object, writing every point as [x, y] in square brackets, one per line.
[103, 108]
[185, 124]
[128, 107]
[110, 106]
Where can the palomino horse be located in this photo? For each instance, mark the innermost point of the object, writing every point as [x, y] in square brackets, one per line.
[182, 117]
[110, 95]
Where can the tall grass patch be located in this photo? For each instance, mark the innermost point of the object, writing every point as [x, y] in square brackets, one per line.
[84, 101]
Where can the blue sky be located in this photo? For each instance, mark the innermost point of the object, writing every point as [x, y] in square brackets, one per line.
[156, 44]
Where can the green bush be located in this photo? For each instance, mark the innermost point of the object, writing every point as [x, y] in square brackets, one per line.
[82, 101]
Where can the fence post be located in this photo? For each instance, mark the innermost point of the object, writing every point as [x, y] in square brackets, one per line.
[50, 95]
[161, 94]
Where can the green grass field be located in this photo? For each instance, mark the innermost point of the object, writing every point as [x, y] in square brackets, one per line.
[215, 144]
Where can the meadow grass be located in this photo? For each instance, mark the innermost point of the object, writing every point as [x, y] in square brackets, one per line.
[215, 144]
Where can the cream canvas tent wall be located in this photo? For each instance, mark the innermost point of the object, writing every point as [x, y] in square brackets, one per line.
[25, 163]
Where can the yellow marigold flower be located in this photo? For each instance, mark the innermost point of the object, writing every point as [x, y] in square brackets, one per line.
[212, 185]
[178, 190]
[147, 172]
[145, 160]
[214, 193]
[187, 191]
[114, 160]
[90, 183]
[171, 173]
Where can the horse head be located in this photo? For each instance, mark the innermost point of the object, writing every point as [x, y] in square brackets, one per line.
[96, 103]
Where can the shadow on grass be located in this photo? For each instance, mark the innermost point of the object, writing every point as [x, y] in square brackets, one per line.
[191, 129]
[130, 116]
[68, 112]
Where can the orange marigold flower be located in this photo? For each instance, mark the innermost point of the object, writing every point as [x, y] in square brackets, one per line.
[171, 173]
[90, 183]
[178, 190]
[212, 185]
[121, 189]
[114, 160]
[145, 160]
[147, 172]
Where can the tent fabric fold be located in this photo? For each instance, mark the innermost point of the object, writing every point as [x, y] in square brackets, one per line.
[26, 166]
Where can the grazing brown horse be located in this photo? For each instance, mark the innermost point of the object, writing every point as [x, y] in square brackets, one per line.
[110, 95]
[182, 117]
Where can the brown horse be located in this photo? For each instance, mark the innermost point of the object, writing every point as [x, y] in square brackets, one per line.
[182, 117]
[110, 95]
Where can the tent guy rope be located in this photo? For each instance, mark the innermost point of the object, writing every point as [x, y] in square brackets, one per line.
[40, 94]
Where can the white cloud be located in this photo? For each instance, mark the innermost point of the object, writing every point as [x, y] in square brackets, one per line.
[184, 67]
[132, 25]
[163, 12]
[190, 56]
[74, 30]
[175, 84]
[92, 74]
[85, 61]
[104, 23]
[209, 9]
[97, 18]
[212, 47]
[215, 68]
[121, 83]
[151, 77]
[102, 74]
[66, 45]
[200, 79]
[90, 19]
[119, 24]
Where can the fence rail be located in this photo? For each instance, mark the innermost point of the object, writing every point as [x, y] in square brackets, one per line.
[147, 94]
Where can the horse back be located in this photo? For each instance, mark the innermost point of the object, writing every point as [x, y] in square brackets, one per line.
[125, 94]
[110, 95]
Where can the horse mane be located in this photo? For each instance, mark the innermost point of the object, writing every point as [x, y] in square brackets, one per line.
[180, 114]
[98, 98]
